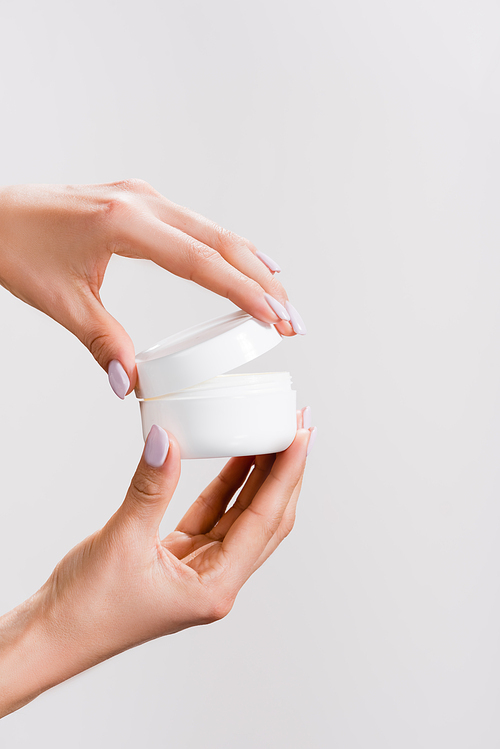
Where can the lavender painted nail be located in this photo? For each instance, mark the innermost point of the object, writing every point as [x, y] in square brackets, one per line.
[118, 379]
[295, 319]
[312, 440]
[307, 417]
[277, 307]
[271, 264]
[156, 450]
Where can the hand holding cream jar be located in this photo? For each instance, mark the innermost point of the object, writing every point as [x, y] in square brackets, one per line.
[183, 387]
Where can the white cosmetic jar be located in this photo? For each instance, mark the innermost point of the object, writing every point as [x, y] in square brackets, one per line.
[182, 387]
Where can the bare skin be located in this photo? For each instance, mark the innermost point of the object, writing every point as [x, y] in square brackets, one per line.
[125, 585]
[56, 242]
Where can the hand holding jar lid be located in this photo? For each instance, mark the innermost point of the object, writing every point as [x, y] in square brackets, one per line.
[57, 241]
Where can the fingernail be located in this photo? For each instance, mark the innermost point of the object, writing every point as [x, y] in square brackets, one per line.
[271, 264]
[156, 450]
[277, 307]
[307, 417]
[295, 319]
[312, 440]
[118, 379]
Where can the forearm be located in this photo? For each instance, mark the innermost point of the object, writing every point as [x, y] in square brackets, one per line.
[34, 656]
[9, 253]
[22, 657]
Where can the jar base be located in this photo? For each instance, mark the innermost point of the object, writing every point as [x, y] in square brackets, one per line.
[225, 427]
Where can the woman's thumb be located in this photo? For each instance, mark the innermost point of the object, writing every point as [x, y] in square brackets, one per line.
[108, 343]
[155, 480]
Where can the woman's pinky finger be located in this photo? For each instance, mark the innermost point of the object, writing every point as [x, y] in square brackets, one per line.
[249, 536]
[284, 529]
[288, 520]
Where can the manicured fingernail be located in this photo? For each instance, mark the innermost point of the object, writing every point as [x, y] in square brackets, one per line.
[156, 450]
[271, 264]
[277, 307]
[307, 417]
[118, 379]
[295, 319]
[312, 440]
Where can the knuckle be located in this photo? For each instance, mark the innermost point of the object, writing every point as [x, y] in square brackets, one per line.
[285, 482]
[98, 343]
[144, 488]
[247, 285]
[133, 184]
[250, 245]
[113, 209]
[199, 253]
[267, 523]
[113, 206]
[240, 504]
[226, 239]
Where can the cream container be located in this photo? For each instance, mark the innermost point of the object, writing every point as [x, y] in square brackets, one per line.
[183, 387]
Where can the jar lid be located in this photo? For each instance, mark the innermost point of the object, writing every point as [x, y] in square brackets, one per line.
[202, 352]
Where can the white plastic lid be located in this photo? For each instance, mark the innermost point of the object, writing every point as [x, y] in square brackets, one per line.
[202, 352]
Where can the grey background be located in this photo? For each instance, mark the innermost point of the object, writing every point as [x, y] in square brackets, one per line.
[358, 144]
